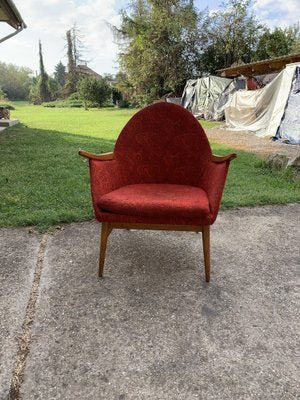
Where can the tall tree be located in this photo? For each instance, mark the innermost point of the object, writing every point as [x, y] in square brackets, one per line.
[230, 36]
[60, 73]
[43, 85]
[159, 46]
[79, 47]
[72, 76]
[279, 42]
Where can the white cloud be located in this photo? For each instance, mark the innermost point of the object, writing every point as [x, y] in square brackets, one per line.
[278, 13]
[48, 20]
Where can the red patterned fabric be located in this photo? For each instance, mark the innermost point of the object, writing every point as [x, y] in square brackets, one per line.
[161, 144]
[159, 200]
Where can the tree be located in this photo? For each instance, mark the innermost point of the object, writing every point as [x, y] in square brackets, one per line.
[158, 44]
[75, 50]
[60, 74]
[230, 36]
[34, 92]
[54, 88]
[79, 47]
[279, 42]
[72, 76]
[295, 32]
[43, 82]
[2, 95]
[121, 90]
[94, 92]
[15, 81]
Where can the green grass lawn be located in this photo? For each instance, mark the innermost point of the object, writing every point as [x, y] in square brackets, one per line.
[44, 182]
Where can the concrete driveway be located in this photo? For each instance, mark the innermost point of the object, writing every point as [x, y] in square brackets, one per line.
[152, 329]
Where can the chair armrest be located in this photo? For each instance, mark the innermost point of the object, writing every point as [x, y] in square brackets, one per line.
[105, 176]
[101, 157]
[214, 182]
[219, 159]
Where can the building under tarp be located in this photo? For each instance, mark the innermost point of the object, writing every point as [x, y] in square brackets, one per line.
[260, 67]
[206, 97]
[272, 111]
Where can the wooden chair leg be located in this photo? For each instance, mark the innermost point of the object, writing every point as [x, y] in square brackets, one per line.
[105, 231]
[206, 250]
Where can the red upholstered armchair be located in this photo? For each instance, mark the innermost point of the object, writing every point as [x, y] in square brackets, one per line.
[162, 175]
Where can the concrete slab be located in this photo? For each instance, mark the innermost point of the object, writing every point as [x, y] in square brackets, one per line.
[8, 122]
[152, 329]
[18, 251]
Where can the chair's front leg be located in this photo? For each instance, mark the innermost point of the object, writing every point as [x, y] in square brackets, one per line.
[105, 231]
[206, 250]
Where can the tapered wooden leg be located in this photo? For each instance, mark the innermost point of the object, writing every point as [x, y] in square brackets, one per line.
[206, 250]
[105, 231]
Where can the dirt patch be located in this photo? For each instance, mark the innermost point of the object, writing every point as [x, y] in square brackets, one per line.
[248, 141]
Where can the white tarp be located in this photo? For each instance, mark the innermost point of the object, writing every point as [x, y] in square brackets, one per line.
[261, 110]
[200, 96]
[290, 125]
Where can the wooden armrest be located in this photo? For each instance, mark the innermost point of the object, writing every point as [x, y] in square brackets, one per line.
[101, 157]
[219, 159]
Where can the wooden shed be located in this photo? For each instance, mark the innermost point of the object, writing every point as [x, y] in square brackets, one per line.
[259, 67]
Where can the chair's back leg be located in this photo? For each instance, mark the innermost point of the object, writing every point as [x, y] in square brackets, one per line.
[105, 231]
[206, 250]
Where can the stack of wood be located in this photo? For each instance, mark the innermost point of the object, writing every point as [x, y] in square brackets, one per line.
[4, 113]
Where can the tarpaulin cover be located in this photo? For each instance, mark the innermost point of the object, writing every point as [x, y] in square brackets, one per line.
[264, 79]
[261, 110]
[253, 84]
[220, 103]
[174, 100]
[200, 95]
[290, 125]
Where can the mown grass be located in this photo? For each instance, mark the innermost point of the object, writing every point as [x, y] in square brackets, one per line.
[44, 182]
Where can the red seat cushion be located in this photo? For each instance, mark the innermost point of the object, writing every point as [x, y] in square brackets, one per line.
[157, 200]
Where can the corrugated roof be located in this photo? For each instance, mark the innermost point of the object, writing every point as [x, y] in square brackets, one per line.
[260, 67]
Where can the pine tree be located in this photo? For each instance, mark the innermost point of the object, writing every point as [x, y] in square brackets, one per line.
[60, 73]
[43, 84]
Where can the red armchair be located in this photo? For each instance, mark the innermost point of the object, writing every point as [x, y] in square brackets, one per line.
[162, 175]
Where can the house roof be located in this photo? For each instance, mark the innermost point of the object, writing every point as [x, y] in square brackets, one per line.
[85, 70]
[260, 67]
[10, 14]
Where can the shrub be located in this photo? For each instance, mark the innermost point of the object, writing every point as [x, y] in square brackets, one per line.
[74, 97]
[7, 105]
[76, 103]
[72, 101]
[94, 92]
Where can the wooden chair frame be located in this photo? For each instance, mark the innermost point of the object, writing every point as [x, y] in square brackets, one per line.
[107, 227]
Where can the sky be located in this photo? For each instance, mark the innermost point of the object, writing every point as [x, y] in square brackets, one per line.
[48, 21]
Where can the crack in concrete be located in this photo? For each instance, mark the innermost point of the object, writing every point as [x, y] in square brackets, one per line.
[25, 339]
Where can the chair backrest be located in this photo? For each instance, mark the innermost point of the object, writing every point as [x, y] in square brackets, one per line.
[163, 143]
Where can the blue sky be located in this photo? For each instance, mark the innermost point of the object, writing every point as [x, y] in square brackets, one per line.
[49, 19]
